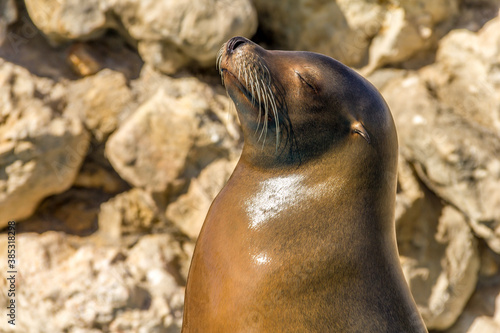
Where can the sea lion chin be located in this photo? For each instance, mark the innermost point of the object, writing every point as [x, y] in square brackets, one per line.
[302, 237]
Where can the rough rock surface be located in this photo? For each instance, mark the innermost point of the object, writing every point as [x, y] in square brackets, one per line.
[129, 214]
[307, 25]
[167, 134]
[168, 34]
[482, 311]
[451, 140]
[189, 210]
[358, 32]
[100, 101]
[69, 19]
[410, 27]
[73, 286]
[40, 150]
[437, 249]
[131, 202]
[172, 34]
[455, 156]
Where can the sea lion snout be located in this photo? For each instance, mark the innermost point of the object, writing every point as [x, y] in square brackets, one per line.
[234, 43]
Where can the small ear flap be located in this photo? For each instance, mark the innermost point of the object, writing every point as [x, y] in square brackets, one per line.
[357, 127]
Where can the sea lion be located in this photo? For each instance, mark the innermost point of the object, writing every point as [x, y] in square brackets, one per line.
[302, 237]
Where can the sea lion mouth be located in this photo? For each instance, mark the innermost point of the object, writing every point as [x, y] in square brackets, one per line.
[243, 88]
[252, 77]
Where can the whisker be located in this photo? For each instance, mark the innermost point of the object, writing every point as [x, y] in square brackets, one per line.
[256, 77]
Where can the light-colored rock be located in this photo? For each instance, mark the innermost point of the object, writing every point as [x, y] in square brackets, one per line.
[160, 264]
[130, 213]
[440, 261]
[409, 27]
[100, 101]
[8, 15]
[189, 210]
[311, 25]
[151, 80]
[174, 134]
[484, 325]
[151, 148]
[63, 20]
[40, 150]
[365, 19]
[466, 77]
[477, 316]
[76, 288]
[39, 254]
[438, 250]
[458, 160]
[386, 32]
[171, 34]
[168, 34]
[398, 40]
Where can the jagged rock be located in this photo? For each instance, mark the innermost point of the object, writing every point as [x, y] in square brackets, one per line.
[398, 41]
[169, 35]
[168, 137]
[481, 313]
[72, 285]
[458, 159]
[365, 20]
[484, 325]
[177, 137]
[8, 15]
[466, 76]
[482, 310]
[151, 148]
[437, 249]
[160, 266]
[151, 80]
[440, 261]
[40, 150]
[39, 254]
[189, 210]
[100, 101]
[132, 213]
[317, 25]
[409, 27]
[351, 31]
[63, 20]
[174, 33]
[442, 271]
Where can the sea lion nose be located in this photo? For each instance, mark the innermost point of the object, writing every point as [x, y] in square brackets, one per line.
[234, 43]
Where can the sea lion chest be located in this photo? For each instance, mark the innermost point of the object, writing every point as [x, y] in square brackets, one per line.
[276, 239]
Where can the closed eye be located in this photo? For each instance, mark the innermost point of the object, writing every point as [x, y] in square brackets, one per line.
[307, 83]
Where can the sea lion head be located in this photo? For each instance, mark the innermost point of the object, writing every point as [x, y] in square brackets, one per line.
[295, 106]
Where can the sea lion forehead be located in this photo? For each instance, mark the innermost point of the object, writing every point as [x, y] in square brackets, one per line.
[314, 63]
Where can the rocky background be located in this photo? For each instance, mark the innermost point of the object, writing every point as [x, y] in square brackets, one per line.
[116, 134]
